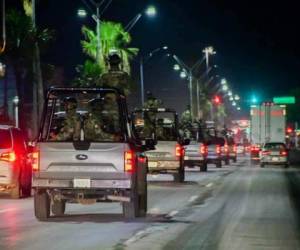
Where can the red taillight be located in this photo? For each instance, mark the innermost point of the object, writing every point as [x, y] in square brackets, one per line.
[8, 156]
[226, 149]
[35, 161]
[179, 151]
[255, 148]
[218, 149]
[265, 152]
[129, 161]
[234, 148]
[203, 149]
[283, 153]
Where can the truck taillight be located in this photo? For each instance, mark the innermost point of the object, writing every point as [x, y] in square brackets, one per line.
[35, 161]
[203, 150]
[218, 149]
[234, 148]
[8, 156]
[283, 153]
[179, 151]
[129, 161]
[226, 149]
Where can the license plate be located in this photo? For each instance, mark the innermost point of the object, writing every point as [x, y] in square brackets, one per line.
[275, 159]
[82, 183]
[152, 164]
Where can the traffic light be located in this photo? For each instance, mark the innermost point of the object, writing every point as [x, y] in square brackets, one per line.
[289, 130]
[217, 100]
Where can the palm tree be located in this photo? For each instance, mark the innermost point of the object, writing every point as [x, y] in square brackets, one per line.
[113, 36]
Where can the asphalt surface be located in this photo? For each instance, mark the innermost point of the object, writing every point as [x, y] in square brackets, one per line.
[236, 207]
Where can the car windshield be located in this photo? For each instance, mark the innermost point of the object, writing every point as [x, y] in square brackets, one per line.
[275, 146]
[5, 141]
[83, 116]
[162, 125]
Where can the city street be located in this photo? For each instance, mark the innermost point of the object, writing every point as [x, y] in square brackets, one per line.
[236, 207]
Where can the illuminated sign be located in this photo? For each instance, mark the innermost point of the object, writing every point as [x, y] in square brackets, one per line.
[284, 100]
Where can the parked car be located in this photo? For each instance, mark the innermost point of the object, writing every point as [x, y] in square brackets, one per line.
[15, 168]
[274, 153]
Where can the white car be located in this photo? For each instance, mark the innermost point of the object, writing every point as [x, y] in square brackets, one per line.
[274, 153]
[15, 168]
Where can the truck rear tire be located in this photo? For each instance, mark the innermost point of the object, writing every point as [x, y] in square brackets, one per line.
[262, 165]
[219, 164]
[227, 162]
[41, 205]
[131, 209]
[15, 193]
[203, 167]
[234, 159]
[58, 208]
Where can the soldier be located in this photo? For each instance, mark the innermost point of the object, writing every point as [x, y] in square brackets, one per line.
[70, 127]
[115, 77]
[186, 122]
[152, 102]
[93, 125]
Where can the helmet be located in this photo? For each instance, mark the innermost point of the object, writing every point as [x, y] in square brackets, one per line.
[70, 103]
[114, 57]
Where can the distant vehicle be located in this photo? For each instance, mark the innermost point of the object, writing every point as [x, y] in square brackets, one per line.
[274, 153]
[168, 155]
[15, 169]
[216, 151]
[105, 163]
[195, 154]
[268, 124]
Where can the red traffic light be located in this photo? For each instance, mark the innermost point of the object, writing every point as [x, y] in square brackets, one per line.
[217, 99]
[289, 130]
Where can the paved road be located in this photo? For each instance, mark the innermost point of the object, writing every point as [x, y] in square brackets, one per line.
[236, 207]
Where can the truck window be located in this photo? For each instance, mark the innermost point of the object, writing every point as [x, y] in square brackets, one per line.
[82, 116]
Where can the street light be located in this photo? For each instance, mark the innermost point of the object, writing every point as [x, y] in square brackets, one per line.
[176, 67]
[143, 60]
[2, 69]
[207, 52]
[223, 81]
[225, 87]
[151, 11]
[81, 13]
[16, 101]
[233, 103]
[238, 108]
[236, 97]
[230, 93]
[183, 74]
[230, 98]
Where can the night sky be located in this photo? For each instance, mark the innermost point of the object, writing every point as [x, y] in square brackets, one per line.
[257, 42]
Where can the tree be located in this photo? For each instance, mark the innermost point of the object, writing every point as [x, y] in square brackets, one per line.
[22, 39]
[113, 37]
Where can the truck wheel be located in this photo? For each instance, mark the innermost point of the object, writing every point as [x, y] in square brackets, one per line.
[287, 165]
[219, 164]
[234, 159]
[131, 209]
[58, 208]
[41, 205]
[15, 193]
[227, 162]
[203, 167]
[179, 177]
[262, 165]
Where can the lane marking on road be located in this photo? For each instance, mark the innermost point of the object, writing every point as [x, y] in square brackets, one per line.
[172, 213]
[6, 210]
[209, 184]
[193, 198]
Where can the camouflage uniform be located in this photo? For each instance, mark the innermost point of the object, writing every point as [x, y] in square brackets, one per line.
[93, 125]
[70, 128]
[115, 77]
[186, 122]
[152, 102]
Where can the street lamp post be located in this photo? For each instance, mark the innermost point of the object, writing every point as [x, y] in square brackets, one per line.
[207, 52]
[189, 73]
[143, 60]
[16, 107]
